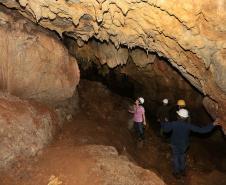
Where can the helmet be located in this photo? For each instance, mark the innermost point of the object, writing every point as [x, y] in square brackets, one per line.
[183, 113]
[181, 103]
[165, 101]
[141, 100]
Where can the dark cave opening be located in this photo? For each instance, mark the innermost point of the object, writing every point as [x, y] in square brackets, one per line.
[124, 87]
[127, 86]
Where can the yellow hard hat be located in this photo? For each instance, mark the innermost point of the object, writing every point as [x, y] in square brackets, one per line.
[181, 103]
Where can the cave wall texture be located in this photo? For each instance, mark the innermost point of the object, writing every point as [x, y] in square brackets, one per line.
[189, 34]
[30, 65]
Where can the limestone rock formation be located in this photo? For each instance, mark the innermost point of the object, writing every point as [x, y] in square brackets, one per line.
[34, 64]
[25, 128]
[190, 34]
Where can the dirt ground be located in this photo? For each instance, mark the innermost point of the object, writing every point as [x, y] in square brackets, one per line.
[104, 121]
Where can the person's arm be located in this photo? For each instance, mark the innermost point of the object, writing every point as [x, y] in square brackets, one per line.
[131, 111]
[216, 122]
[167, 127]
[205, 129]
[143, 114]
[158, 115]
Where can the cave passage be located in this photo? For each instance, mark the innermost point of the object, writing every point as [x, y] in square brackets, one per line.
[154, 81]
[70, 70]
[203, 146]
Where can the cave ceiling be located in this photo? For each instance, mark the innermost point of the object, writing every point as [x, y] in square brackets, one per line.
[190, 34]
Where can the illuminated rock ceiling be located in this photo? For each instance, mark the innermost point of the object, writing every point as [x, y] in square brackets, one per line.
[190, 34]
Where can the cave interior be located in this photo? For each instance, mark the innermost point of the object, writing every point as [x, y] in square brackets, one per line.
[68, 80]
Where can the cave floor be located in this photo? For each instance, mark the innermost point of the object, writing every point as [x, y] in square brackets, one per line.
[65, 161]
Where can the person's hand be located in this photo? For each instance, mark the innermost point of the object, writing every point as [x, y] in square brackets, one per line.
[216, 122]
[144, 123]
[158, 120]
[166, 119]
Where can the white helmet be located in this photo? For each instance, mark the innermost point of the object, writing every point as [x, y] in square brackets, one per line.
[183, 113]
[141, 100]
[165, 101]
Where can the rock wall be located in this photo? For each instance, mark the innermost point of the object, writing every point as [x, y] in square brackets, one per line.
[34, 63]
[190, 34]
[25, 128]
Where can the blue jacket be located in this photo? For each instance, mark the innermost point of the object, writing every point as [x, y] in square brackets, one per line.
[181, 130]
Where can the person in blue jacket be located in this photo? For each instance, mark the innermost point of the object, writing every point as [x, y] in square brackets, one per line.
[180, 138]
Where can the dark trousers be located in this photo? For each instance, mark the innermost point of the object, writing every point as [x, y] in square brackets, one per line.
[178, 158]
[162, 134]
[139, 129]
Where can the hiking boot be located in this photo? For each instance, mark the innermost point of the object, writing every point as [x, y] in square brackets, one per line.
[182, 172]
[138, 140]
[144, 143]
[176, 175]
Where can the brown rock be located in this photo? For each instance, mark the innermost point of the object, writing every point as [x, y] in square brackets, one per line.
[25, 128]
[35, 64]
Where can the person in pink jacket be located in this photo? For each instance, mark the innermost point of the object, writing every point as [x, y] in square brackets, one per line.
[139, 119]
